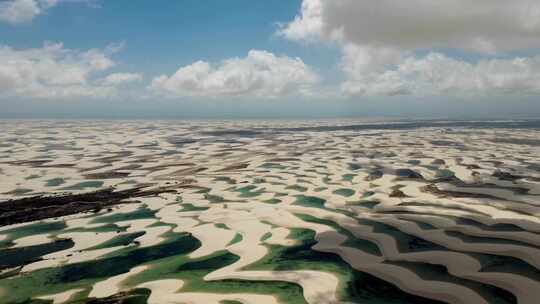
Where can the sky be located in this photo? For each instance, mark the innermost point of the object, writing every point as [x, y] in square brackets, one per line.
[269, 58]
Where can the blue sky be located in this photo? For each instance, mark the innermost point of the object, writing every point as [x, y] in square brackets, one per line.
[176, 34]
[138, 58]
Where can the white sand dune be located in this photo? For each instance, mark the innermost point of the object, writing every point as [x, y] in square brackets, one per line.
[457, 213]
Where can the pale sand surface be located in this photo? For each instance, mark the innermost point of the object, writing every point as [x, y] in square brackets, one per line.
[113, 285]
[251, 196]
[32, 240]
[167, 292]
[61, 297]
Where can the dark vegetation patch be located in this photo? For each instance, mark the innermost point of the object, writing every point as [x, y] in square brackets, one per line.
[42, 207]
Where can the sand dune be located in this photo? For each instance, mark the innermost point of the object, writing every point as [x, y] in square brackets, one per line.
[275, 213]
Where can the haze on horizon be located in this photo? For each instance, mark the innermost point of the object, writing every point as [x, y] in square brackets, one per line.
[239, 59]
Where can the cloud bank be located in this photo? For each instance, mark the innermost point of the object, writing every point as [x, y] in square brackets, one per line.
[54, 71]
[122, 78]
[260, 74]
[382, 42]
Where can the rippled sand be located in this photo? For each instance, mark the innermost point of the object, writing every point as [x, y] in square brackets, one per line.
[276, 212]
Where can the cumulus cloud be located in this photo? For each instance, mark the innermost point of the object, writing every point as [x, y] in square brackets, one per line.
[54, 71]
[259, 74]
[23, 11]
[480, 25]
[381, 41]
[19, 11]
[306, 26]
[437, 74]
[122, 78]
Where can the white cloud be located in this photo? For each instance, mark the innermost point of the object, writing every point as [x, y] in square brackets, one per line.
[480, 25]
[259, 74]
[381, 41]
[19, 11]
[436, 74]
[54, 71]
[306, 26]
[24, 11]
[122, 78]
